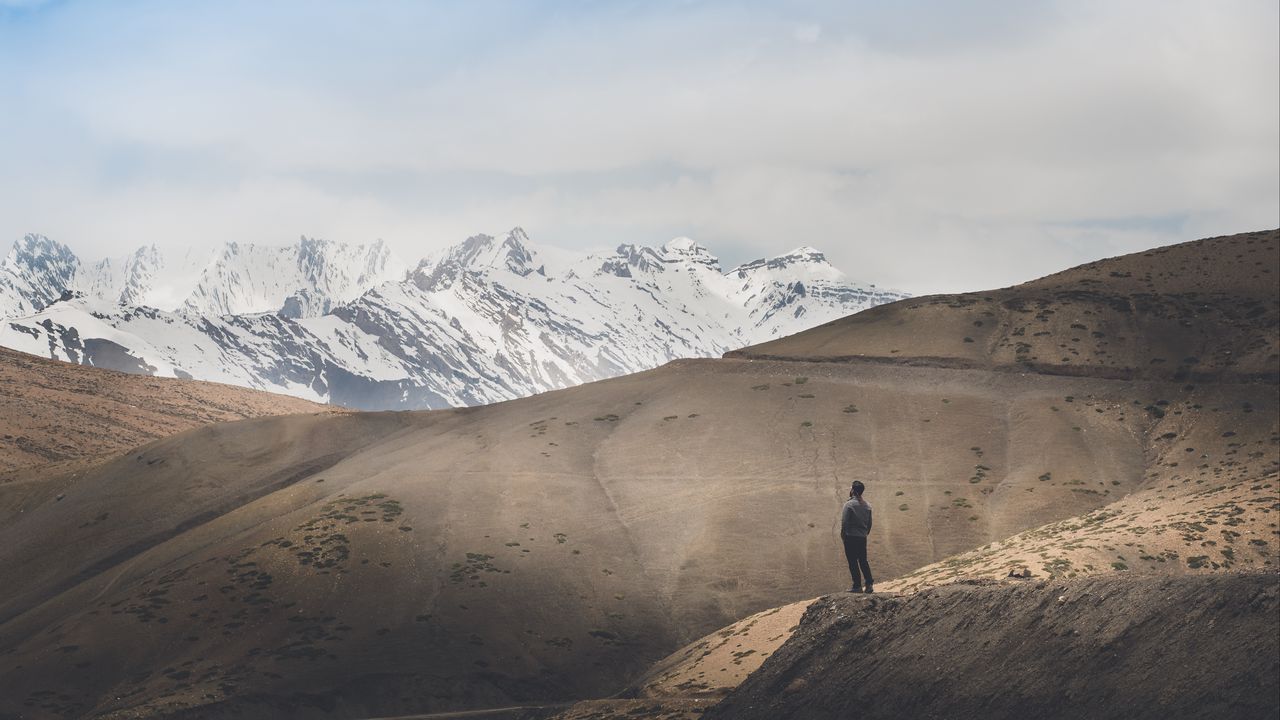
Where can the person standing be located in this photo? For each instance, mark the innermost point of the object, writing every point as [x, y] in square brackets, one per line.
[855, 525]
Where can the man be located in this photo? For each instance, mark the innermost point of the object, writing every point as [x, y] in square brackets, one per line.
[855, 524]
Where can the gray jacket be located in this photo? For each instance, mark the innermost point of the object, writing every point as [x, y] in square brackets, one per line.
[855, 518]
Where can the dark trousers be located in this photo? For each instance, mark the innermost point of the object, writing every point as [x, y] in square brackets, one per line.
[855, 550]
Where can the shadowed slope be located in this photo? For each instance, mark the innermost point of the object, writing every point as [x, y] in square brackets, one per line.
[1186, 647]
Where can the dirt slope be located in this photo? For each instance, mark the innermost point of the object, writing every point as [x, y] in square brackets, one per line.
[52, 411]
[551, 547]
[1114, 647]
[554, 547]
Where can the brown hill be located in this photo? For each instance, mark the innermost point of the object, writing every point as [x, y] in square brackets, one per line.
[553, 547]
[1196, 312]
[52, 411]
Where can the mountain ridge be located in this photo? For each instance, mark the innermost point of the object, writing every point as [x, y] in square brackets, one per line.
[489, 319]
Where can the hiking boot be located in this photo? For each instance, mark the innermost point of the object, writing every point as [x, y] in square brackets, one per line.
[855, 589]
[868, 590]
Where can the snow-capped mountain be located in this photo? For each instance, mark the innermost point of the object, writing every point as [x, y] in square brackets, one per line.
[148, 276]
[34, 274]
[302, 280]
[492, 318]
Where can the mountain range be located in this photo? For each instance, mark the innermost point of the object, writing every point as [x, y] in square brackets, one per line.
[489, 319]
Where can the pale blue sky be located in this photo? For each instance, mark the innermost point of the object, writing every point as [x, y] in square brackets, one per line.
[928, 145]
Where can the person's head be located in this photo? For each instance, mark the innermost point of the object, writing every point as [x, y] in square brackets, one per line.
[856, 489]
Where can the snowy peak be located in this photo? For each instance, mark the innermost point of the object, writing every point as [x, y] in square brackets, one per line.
[301, 280]
[632, 260]
[801, 256]
[140, 274]
[321, 261]
[41, 256]
[637, 261]
[34, 274]
[124, 281]
[684, 251]
[479, 254]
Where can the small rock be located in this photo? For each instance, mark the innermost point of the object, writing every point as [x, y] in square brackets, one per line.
[1062, 599]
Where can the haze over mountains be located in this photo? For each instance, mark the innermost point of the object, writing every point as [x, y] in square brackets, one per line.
[556, 546]
[489, 319]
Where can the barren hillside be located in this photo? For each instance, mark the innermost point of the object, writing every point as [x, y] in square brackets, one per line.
[1202, 311]
[53, 411]
[1182, 647]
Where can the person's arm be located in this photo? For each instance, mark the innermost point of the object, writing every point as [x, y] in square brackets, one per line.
[846, 515]
[868, 519]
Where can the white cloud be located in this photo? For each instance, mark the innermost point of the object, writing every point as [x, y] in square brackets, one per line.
[916, 154]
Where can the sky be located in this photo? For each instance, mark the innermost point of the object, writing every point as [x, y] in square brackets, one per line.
[926, 145]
